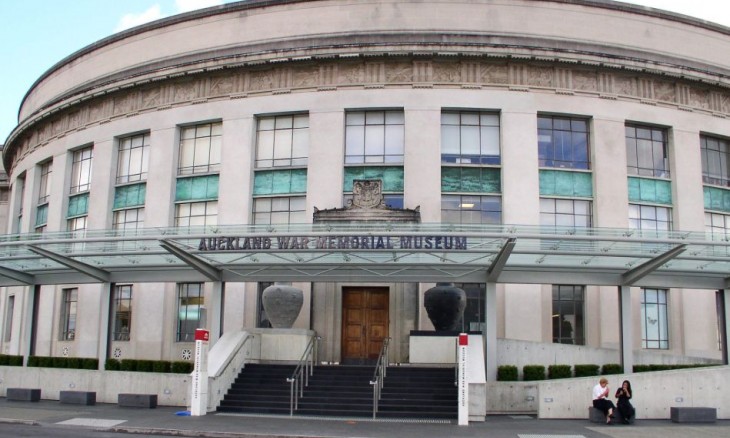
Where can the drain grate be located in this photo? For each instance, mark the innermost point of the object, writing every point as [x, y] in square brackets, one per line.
[356, 419]
[542, 435]
[91, 422]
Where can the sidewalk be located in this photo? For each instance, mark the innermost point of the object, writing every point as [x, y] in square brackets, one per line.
[165, 421]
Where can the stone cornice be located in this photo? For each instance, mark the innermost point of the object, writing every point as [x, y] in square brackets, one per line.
[377, 71]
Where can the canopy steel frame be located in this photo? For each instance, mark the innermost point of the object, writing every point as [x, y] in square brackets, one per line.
[646, 268]
[194, 262]
[92, 271]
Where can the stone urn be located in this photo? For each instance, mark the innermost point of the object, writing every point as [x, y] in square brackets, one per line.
[445, 304]
[282, 304]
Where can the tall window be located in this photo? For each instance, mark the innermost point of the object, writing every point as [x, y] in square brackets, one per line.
[715, 160]
[470, 137]
[279, 210]
[191, 214]
[20, 193]
[563, 142]
[650, 218]
[646, 151]
[282, 141]
[122, 305]
[717, 224]
[565, 212]
[129, 219]
[44, 188]
[568, 320]
[133, 158]
[44, 191]
[374, 137]
[200, 148]
[81, 170]
[10, 309]
[471, 209]
[654, 325]
[190, 306]
[70, 298]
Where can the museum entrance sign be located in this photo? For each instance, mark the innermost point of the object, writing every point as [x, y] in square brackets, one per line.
[376, 253]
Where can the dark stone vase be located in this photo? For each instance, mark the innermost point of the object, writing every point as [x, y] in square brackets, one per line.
[282, 304]
[445, 305]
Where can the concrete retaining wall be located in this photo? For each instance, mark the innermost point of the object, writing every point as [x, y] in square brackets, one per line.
[654, 393]
[171, 389]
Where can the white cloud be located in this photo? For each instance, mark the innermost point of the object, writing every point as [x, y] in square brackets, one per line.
[131, 20]
[191, 5]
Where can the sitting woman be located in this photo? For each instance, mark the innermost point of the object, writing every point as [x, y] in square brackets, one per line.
[623, 394]
[601, 400]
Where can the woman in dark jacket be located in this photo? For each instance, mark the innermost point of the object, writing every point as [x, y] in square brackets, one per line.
[623, 394]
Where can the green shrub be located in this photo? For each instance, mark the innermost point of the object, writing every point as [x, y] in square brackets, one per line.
[559, 372]
[612, 368]
[161, 366]
[33, 361]
[507, 373]
[144, 365]
[15, 361]
[58, 362]
[90, 363]
[128, 365]
[4, 359]
[533, 372]
[585, 370]
[112, 365]
[182, 367]
[73, 362]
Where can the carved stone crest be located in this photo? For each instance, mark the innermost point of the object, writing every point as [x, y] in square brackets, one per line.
[367, 193]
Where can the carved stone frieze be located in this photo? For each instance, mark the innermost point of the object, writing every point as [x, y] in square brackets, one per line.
[329, 74]
[399, 72]
[541, 76]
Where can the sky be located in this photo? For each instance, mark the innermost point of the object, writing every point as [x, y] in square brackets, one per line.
[36, 34]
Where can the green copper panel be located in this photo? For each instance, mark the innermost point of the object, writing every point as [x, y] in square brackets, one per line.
[197, 188]
[78, 205]
[566, 183]
[717, 199]
[471, 180]
[130, 196]
[41, 215]
[280, 182]
[656, 191]
[392, 177]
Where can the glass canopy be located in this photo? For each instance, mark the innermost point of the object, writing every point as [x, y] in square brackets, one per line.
[373, 252]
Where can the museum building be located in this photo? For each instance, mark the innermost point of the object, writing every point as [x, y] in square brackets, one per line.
[566, 163]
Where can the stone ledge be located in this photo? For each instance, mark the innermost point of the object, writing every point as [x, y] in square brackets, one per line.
[693, 414]
[24, 394]
[87, 398]
[137, 400]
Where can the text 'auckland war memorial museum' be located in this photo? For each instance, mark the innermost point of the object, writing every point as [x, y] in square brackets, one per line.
[352, 184]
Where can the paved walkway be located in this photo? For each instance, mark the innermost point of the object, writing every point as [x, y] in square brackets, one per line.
[167, 421]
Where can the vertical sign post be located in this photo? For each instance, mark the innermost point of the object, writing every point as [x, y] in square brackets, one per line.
[199, 388]
[463, 384]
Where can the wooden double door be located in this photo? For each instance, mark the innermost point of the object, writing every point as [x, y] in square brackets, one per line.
[364, 323]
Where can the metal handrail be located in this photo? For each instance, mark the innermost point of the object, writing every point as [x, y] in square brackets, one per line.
[304, 369]
[379, 375]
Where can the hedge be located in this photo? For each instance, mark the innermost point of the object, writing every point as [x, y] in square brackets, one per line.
[11, 360]
[533, 372]
[559, 372]
[612, 368]
[507, 373]
[78, 363]
[585, 370]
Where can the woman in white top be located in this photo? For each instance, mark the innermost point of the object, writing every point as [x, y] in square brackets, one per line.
[601, 400]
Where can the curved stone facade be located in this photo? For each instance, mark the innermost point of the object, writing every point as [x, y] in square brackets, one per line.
[610, 64]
